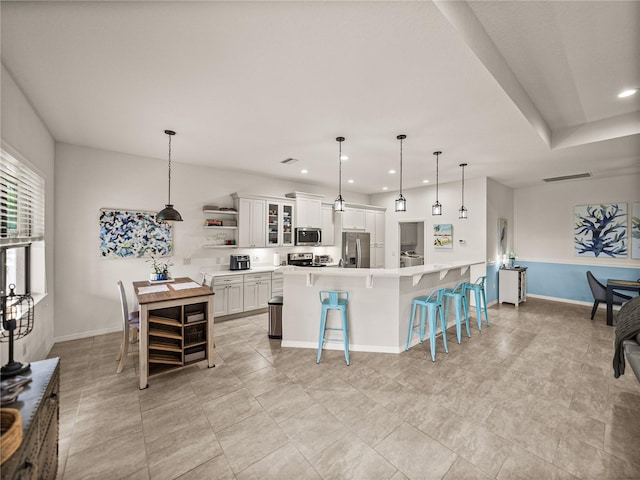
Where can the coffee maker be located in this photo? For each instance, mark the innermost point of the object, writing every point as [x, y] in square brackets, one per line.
[239, 262]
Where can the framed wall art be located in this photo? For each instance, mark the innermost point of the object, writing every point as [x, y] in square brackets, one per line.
[601, 230]
[502, 237]
[443, 235]
[133, 234]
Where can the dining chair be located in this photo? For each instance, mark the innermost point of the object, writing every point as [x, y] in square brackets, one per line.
[131, 325]
[599, 292]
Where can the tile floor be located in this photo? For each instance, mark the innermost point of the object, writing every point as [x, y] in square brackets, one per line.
[532, 396]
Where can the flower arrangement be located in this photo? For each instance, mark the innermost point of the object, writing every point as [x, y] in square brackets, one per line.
[160, 269]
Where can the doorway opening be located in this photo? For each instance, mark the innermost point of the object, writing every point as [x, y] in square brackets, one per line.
[411, 244]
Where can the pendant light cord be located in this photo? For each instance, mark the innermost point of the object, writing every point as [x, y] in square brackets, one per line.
[437, 163]
[169, 169]
[462, 185]
[340, 169]
[401, 166]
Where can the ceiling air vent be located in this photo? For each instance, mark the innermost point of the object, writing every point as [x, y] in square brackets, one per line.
[567, 177]
[289, 160]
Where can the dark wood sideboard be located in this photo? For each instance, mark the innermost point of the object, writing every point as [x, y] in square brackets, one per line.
[39, 405]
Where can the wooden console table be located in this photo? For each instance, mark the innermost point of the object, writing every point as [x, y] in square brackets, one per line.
[176, 326]
[39, 407]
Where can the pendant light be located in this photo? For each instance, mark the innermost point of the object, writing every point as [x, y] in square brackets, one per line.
[338, 205]
[462, 213]
[401, 202]
[436, 208]
[168, 213]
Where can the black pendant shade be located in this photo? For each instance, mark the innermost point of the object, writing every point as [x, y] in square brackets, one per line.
[168, 213]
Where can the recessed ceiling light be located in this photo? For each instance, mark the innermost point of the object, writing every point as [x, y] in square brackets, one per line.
[425, 181]
[627, 93]
[344, 157]
[304, 170]
[385, 188]
[350, 180]
[392, 171]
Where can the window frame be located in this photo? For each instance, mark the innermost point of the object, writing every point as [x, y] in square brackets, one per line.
[22, 223]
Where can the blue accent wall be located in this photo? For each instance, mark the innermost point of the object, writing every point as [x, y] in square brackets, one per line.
[569, 281]
[491, 285]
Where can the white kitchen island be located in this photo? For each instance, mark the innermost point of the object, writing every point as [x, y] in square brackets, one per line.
[379, 302]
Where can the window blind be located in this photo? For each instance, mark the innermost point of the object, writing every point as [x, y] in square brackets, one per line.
[21, 202]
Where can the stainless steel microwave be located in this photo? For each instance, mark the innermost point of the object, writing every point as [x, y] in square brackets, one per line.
[308, 236]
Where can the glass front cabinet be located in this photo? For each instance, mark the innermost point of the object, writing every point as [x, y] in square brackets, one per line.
[280, 224]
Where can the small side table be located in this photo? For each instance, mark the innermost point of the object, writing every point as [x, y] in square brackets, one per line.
[512, 285]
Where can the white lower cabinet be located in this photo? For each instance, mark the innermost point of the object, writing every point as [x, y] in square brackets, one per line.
[229, 295]
[377, 256]
[257, 290]
[277, 284]
[512, 285]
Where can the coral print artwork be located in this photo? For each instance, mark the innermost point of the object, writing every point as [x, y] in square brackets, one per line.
[601, 230]
[128, 234]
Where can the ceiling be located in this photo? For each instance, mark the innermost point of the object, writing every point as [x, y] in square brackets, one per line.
[518, 90]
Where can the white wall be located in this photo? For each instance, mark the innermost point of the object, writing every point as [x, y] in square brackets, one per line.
[24, 133]
[544, 217]
[89, 179]
[419, 201]
[499, 205]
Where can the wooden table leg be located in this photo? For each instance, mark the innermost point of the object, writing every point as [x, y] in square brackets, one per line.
[143, 346]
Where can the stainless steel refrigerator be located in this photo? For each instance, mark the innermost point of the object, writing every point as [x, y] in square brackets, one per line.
[355, 249]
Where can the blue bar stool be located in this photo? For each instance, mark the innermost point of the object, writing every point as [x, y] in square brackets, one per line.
[458, 296]
[333, 300]
[431, 304]
[478, 289]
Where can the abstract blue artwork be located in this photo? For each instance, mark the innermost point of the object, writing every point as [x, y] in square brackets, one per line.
[129, 234]
[635, 231]
[601, 230]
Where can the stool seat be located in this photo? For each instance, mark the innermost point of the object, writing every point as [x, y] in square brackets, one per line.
[480, 300]
[431, 304]
[333, 300]
[457, 295]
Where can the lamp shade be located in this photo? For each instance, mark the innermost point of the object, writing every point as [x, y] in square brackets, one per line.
[436, 208]
[401, 202]
[338, 205]
[168, 214]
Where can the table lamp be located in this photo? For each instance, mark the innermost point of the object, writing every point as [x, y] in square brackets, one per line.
[17, 322]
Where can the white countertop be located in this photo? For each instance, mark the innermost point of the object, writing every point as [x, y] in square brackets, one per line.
[346, 272]
[379, 272]
[212, 272]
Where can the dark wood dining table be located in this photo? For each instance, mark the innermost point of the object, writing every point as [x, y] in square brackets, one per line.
[612, 285]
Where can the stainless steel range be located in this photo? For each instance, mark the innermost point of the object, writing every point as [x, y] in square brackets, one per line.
[302, 260]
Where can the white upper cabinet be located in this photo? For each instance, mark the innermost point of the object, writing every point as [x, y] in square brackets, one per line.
[264, 221]
[328, 229]
[280, 223]
[353, 219]
[308, 209]
[251, 222]
[374, 224]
